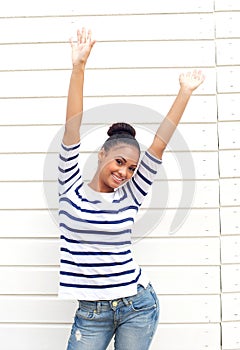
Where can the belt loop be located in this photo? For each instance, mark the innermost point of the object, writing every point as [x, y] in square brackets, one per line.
[98, 307]
[125, 301]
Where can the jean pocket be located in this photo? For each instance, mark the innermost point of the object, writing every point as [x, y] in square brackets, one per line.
[144, 302]
[85, 314]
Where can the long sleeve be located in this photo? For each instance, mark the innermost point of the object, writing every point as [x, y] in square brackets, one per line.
[68, 168]
[142, 180]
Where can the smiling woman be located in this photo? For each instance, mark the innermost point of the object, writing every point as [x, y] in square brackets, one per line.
[97, 266]
[118, 158]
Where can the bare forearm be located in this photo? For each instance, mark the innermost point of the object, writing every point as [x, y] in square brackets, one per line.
[178, 107]
[170, 122]
[74, 105]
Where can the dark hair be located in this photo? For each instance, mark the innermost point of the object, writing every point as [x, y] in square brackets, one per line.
[121, 133]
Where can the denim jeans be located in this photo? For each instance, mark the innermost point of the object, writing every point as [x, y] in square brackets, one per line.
[133, 321]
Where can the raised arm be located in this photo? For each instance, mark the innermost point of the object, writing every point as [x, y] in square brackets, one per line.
[188, 83]
[80, 53]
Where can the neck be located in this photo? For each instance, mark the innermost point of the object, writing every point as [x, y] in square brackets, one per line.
[97, 186]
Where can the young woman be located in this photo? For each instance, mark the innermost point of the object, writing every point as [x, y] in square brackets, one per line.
[95, 218]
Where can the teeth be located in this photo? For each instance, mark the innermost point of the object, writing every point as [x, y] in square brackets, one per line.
[117, 178]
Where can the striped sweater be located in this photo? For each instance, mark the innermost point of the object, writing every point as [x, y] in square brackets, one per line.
[96, 258]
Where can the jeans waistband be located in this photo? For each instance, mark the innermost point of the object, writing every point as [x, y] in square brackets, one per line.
[105, 305]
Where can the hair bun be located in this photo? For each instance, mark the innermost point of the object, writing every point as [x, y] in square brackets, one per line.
[121, 128]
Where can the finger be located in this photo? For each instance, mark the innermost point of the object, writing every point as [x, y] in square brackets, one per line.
[79, 36]
[71, 42]
[89, 35]
[188, 74]
[83, 38]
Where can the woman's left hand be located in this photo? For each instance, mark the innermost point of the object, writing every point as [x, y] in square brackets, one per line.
[191, 80]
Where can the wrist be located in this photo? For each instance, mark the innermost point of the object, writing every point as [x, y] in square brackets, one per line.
[184, 90]
[78, 68]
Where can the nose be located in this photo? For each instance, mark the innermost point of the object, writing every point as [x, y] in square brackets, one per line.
[123, 171]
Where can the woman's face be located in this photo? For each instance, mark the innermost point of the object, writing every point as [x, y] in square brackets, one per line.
[116, 166]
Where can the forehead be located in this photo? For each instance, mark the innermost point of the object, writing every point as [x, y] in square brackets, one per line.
[128, 152]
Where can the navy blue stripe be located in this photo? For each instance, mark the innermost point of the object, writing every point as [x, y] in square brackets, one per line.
[100, 286]
[61, 194]
[70, 148]
[125, 252]
[83, 241]
[138, 187]
[144, 178]
[68, 169]
[84, 199]
[92, 232]
[73, 274]
[133, 197]
[67, 159]
[122, 198]
[69, 179]
[96, 264]
[158, 161]
[148, 168]
[109, 222]
[91, 211]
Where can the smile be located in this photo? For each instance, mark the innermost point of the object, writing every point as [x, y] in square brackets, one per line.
[117, 179]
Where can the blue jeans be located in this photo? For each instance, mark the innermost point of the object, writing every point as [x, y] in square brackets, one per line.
[133, 321]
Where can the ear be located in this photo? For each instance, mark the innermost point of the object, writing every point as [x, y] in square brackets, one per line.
[101, 154]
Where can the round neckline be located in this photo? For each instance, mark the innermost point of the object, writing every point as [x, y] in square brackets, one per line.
[108, 196]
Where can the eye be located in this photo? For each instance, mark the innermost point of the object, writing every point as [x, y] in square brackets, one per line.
[132, 169]
[119, 161]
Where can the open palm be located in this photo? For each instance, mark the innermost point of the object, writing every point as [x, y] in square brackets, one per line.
[83, 47]
[191, 80]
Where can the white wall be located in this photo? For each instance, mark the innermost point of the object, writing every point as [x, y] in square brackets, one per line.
[142, 47]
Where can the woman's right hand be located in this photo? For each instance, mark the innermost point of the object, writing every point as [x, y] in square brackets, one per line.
[83, 47]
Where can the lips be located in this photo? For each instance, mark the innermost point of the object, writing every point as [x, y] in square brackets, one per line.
[117, 178]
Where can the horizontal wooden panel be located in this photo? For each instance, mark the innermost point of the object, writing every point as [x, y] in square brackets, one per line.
[230, 335]
[110, 55]
[228, 5]
[229, 163]
[205, 166]
[187, 337]
[28, 223]
[28, 281]
[228, 106]
[99, 82]
[140, 27]
[177, 251]
[29, 252]
[228, 79]
[230, 191]
[190, 309]
[232, 130]
[166, 280]
[174, 309]
[61, 7]
[227, 51]
[43, 138]
[154, 251]
[37, 310]
[231, 307]
[230, 278]
[230, 249]
[35, 195]
[49, 111]
[195, 223]
[43, 223]
[230, 224]
[51, 337]
[227, 24]
[25, 336]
